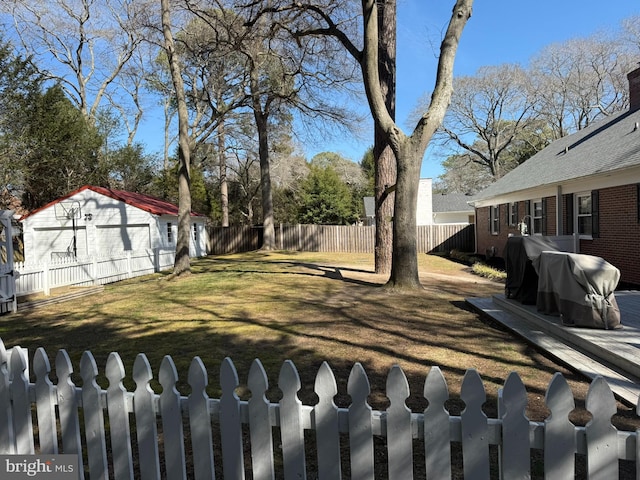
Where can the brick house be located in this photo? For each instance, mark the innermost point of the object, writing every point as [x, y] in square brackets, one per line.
[586, 184]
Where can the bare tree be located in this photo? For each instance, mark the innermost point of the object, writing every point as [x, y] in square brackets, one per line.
[83, 44]
[579, 81]
[182, 264]
[489, 113]
[408, 149]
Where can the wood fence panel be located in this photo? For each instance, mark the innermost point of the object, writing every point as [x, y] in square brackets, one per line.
[337, 238]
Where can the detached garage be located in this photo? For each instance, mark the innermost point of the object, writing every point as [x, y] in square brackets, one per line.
[96, 221]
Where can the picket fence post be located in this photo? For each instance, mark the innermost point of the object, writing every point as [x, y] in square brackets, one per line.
[45, 403]
[117, 407]
[291, 429]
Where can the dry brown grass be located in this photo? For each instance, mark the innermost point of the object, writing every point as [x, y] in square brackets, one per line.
[307, 307]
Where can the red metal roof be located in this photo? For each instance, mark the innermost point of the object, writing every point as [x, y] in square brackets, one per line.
[147, 203]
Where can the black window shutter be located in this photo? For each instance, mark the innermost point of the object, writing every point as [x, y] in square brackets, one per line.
[595, 214]
[569, 212]
[544, 216]
[490, 217]
[527, 213]
[508, 209]
[638, 201]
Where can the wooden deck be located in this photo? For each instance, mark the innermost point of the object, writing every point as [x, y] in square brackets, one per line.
[612, 354]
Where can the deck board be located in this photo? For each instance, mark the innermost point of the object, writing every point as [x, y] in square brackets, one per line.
[612, 354]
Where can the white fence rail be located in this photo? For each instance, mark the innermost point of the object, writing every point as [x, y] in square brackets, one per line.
[205, 438]
[42, 277]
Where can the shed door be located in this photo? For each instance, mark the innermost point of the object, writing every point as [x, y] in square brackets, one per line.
[118, 238]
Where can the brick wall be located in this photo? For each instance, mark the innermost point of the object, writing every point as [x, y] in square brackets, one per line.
[619, 241]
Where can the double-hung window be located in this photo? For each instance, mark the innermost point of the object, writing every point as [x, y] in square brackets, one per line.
[513, 214]
[537, 216]
[584, 213]
[494, 219]
[169, 233]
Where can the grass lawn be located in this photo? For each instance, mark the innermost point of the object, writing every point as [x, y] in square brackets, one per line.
[306, 307]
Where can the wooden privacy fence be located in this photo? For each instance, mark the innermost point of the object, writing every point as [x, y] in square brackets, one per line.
[230, 438]
[337, 238]
[42, 277]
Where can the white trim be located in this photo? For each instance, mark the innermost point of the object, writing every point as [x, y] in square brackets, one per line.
[627, 176]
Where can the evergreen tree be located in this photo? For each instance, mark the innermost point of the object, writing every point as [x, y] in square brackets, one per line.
[325, 199]
[62, 150]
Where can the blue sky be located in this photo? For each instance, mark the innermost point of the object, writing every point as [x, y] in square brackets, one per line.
[499, 31]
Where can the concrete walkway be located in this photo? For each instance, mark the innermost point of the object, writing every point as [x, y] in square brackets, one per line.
[612, 354]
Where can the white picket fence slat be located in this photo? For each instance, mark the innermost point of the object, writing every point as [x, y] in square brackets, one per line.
[71, 419]
[42, 277]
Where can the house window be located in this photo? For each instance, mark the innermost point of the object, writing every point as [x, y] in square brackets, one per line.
[584, 211]
[537, 217]
[169, 232]
[494, 219]
[513, 214]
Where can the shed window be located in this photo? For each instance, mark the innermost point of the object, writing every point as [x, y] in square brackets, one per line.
[195, 232]
[169, 232]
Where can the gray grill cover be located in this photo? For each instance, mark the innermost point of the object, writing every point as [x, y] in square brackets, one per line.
[580, 288]
[522, 279]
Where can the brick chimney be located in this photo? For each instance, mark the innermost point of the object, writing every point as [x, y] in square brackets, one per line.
[634, 89]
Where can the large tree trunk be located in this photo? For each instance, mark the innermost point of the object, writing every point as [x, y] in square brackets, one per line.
[404, 270]
[182, 264]
[384, 158]
[409, 150]
[269, 232]
[224, 188]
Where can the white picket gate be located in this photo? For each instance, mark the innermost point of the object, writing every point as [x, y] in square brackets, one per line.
[71, 420]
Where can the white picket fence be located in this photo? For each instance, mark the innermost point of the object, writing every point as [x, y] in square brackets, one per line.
[264, 440]
[42, 277]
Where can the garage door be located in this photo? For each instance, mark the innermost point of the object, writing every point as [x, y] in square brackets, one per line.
[52, 244]
[122, 237]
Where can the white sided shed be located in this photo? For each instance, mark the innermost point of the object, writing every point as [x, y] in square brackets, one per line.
[97, 221]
